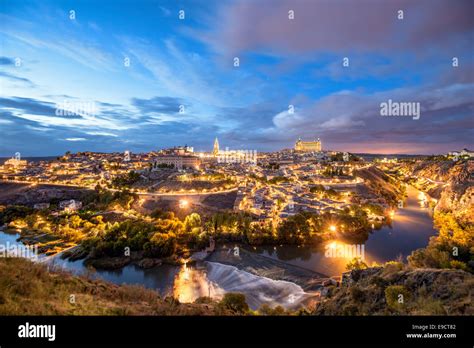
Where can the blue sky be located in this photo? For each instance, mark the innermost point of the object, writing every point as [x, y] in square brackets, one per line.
[48, 59]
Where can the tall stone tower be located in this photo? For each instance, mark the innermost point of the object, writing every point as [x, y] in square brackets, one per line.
[215, 151]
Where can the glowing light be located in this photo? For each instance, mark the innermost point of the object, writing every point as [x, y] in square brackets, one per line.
[186, 271]
[422, 196]
[392, 214]
[332, 228]
[183, 203]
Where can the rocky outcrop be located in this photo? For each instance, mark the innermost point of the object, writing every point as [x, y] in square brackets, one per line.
[380, 185]
[25, 194]
[451, 183]
[108, 262]
[149, 263]
[397, 289]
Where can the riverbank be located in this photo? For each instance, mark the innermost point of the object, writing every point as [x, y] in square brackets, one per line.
[28, 288]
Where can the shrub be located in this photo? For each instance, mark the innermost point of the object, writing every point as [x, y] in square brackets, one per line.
[235, 302]
[350, 309]
[265, 309]
[357, 294]
[459, 265]
[379, 282]
[356, 264]
[161, 245]
[429, 258]
[428, 306]
[397, 297]
[392, 267]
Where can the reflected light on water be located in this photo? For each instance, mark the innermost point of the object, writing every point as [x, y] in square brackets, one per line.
[339, 254]
[191, 283]
[185, 271]
[422, 200]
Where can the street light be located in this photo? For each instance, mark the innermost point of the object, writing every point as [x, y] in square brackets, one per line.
[183, 203]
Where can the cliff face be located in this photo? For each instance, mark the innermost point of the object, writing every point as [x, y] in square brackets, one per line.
[445, 171]
[452, 183]
[380, 185]
[397, 289]
[25, 194]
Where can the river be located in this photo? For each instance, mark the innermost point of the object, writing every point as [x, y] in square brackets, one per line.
[411, 229]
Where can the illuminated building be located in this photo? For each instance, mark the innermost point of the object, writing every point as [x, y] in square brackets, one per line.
[308, 146]
[15, 163]
[178, 162]
[178, 150]
[215, 151]
[70, 205]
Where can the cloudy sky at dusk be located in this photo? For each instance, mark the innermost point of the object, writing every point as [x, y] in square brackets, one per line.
[48, 59]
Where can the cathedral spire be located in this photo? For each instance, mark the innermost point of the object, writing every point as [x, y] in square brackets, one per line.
[215, 151]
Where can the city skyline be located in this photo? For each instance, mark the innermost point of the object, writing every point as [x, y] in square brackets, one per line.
[141, 78]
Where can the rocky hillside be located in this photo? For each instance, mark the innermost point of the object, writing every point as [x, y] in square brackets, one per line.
[25, 194]
[399, 290]
[452, 183]
[380, 185]
[28, 288]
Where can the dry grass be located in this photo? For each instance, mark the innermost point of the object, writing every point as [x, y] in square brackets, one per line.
[425, 292]
[28, 288]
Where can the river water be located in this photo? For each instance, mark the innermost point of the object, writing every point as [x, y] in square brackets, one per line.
[411, 228]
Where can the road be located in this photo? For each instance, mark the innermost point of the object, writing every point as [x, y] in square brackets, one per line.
[150, 194]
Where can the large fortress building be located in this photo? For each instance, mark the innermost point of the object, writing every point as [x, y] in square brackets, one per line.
[308, 146]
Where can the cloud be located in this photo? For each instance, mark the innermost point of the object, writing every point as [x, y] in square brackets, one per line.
[354, 118]
[29, 105]
[283, 62]
[75, 139]
[337, 26]
[44, 113]
[103, 134]
[168, 105]
[184, 74]
[7, 61]
[16, 78]
[66, 40]
[166, 12]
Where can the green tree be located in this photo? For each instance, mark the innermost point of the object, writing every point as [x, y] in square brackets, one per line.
[235, 302]
[192, 221]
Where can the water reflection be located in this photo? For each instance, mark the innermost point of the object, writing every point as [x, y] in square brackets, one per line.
[410, 229]
[191, 283]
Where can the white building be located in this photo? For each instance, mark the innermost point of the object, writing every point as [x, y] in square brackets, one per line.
[70, 205]
[178, 162]
[41, 206]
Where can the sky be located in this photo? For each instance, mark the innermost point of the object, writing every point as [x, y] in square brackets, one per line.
[116, 75]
